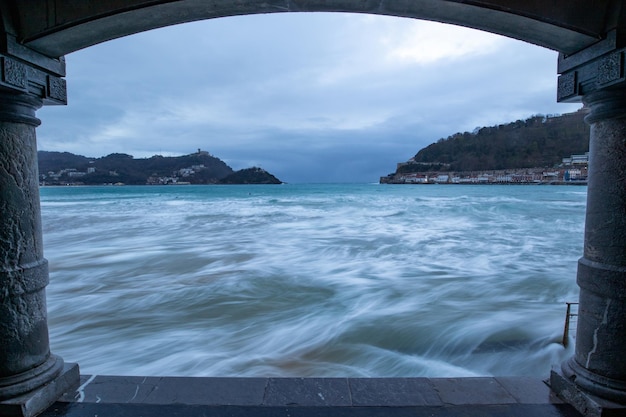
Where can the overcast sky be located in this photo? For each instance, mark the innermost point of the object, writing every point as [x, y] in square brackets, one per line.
[310, 97]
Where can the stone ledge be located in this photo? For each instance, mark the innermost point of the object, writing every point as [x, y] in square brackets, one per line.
[182, 410]
[311, 392]
[131, 396]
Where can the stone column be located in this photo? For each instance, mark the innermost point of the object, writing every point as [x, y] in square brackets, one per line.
[599, 363]
[594, 379]
[30, 377]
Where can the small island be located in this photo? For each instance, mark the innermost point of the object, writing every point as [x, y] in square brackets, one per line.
[64, 168]
[254, 175]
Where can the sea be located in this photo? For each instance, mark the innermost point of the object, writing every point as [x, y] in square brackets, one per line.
[312, 280]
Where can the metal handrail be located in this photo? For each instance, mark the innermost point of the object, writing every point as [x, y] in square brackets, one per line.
[568, 316]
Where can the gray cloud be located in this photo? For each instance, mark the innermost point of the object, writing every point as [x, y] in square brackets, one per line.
[309, 97]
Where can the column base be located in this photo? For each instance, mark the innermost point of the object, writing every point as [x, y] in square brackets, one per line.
[585, 403]
[36, 401]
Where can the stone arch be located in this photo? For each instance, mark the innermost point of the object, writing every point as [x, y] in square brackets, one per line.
[56, 28]
[36, 34]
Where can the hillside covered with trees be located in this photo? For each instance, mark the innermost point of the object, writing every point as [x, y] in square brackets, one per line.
[62, 168]
[539, 141]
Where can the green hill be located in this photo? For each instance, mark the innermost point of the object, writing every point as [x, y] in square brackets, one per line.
[539, 141]
[60, 168]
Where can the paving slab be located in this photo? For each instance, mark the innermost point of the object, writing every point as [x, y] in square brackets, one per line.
[393, 392]
[113, 389]
[458, 391]
[528, 390]
[209, 391]
[307, 392]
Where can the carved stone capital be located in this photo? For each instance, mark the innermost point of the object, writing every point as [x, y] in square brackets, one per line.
[596, 68]
[17, 76]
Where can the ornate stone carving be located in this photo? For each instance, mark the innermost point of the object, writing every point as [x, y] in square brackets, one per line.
[14, 73]
[567, 86]
[57, 89]
[610, 68]
[22, 78]
[598, 67]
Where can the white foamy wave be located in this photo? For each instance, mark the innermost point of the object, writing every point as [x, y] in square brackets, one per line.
[328, 280]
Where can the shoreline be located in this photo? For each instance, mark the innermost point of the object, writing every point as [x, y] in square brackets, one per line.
[576, 183]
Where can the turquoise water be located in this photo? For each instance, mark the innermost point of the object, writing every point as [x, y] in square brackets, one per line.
[312, 280]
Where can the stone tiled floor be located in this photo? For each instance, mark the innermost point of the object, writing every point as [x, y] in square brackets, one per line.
[116, 396]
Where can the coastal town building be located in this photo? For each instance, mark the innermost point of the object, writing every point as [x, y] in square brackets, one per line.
[572, 170]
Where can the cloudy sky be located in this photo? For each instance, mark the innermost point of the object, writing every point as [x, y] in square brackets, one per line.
[310, 97]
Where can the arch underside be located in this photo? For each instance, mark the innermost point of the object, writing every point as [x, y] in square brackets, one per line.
[58, 27]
